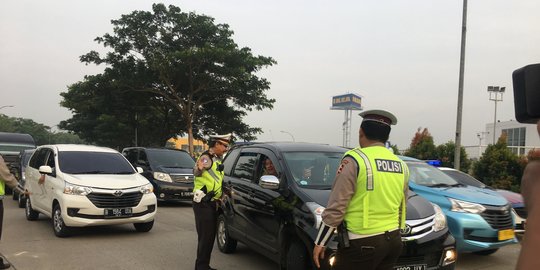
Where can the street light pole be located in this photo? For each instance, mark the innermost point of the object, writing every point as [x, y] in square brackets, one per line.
[457, 150]
[282, 131]
[494, 92]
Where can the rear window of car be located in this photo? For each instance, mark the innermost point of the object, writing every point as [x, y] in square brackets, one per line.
[81, 162]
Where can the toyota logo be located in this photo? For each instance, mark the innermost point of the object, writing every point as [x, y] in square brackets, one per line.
[407, 230]
[118, 193]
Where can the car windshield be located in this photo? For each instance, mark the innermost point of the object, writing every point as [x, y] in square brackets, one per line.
[26, 157]
[82, 162]
[170, 158]
[464, 178]
[427, 175]
[315, 170]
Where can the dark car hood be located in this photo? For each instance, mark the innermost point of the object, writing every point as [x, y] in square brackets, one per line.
[173, 170]
[417, 207]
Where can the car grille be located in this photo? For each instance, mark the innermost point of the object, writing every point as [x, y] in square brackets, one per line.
[103, 200]
[498, 217]
[417, 228]
[182, 178]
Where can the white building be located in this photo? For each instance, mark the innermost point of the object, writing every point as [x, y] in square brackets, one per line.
[520, 138]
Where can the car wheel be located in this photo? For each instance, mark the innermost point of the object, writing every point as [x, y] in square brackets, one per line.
[21, 201]
[226, 244]
[59, 227]
[486, 252]
[144, 227]
[297, 257]
[30, 213]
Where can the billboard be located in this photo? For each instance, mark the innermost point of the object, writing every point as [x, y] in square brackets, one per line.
[347, 102]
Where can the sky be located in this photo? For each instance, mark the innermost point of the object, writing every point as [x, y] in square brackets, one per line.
[401, 56]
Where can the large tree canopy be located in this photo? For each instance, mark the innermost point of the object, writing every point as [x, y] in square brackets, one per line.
[183, 59]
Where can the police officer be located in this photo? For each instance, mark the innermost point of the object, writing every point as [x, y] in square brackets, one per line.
[369, 198]
[5, 178]
[207, 191]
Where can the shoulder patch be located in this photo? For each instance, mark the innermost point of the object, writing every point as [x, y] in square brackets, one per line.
[392, 166]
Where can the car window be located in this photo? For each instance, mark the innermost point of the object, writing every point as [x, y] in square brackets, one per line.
[81, 162]
[313, 169]
[131, 155]
[245, 167]
[229, 161]
[38, 159]
[50, 159]
[167, 158]
[427, 175]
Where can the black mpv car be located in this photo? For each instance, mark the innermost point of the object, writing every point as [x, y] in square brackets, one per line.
[279, 216]
[169, 170]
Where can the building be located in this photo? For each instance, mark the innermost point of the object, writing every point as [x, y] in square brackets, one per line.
[521, 138]
[182, 143]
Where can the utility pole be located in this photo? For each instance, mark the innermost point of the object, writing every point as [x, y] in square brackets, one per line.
[457, 150]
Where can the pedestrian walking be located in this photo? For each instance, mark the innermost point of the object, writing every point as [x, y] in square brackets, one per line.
[207, 193]
[367, 201]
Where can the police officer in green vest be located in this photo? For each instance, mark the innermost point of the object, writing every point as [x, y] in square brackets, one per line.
[367, 202]
[5, 178]
[207, 192]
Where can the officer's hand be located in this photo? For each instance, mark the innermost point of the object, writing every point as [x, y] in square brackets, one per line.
[318, 253]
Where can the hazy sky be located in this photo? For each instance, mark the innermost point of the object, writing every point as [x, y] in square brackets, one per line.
[398, 55]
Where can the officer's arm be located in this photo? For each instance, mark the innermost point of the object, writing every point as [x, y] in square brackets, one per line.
[6, 175]
[342, 192]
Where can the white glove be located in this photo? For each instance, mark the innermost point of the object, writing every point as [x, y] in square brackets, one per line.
[198, 195]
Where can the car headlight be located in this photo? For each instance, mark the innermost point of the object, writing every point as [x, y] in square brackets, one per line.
[467, 207]
[440, 219]
[165, 177]
[146, 189]
[316, 209]
[76, 190]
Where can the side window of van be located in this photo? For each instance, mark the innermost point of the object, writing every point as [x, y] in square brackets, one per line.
[38, 159]
[50, 160]
[131, 155]
[228, 163]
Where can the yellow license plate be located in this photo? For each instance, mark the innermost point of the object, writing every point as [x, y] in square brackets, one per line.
[506, 234]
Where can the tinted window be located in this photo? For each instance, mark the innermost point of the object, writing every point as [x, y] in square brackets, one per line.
[75, 162]
[38, 159]
[26, 158]
[245, 167]
[427, 175]
[131, 155]
[169, 158]
[464, 179]
[313, 169]
[229, 161]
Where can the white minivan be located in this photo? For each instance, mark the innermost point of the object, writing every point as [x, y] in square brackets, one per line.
[83, 185]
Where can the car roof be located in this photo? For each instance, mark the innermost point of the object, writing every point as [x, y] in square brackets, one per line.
[154, 148]
[80, 147]
[406, 158]
[21, 138]
[293, 146]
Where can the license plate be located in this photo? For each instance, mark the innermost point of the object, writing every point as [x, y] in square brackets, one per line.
[186, 194]
[118, 212]
[506, 234]
[411, 267]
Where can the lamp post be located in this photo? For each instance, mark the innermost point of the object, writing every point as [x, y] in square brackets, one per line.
[494, 92]
[282, 131]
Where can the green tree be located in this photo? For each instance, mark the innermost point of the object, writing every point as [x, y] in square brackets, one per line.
[445, 153]
[190, 62]
[41, 133]
[499, 167]
[422, 146]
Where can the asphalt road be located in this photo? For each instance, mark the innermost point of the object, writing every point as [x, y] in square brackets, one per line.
[171, 244]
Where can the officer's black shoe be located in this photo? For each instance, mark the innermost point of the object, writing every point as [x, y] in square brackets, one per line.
[4, 265]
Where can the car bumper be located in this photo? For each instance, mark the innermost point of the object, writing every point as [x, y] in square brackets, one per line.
[173, 191]
[473, 233]
[79, 211]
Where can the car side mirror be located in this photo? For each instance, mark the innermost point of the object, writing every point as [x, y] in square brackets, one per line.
[45, 170]
[269, 182]
[140, 170]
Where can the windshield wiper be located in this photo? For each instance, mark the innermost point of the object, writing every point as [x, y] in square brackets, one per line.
[93, 172]
[125, 172]
[440, 185]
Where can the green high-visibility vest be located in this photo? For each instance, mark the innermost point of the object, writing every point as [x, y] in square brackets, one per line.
[211, 178]
[375, 205]
[2, 188]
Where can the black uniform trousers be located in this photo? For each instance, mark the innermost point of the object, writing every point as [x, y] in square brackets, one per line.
[205, 222]
[376, 252]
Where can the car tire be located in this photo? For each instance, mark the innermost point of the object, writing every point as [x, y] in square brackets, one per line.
[297, 257]
[21, 200]
[144, 227]
[486, 252]
[226, 243]
[30, 213]
[59, 227]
